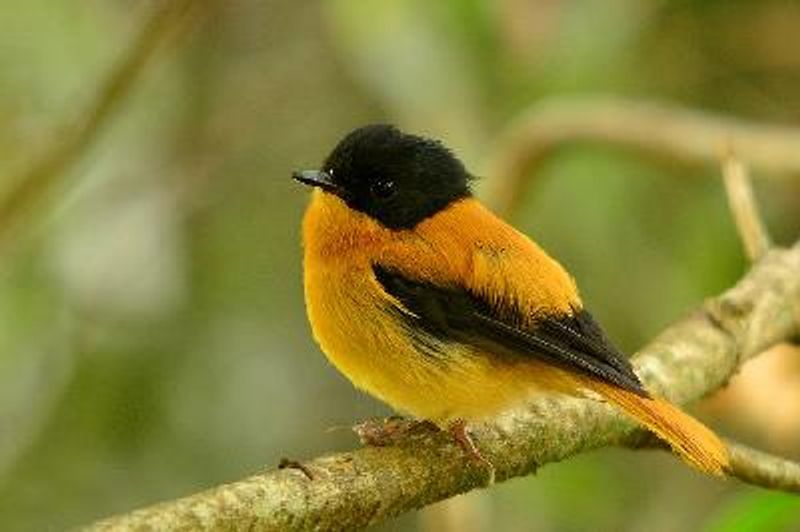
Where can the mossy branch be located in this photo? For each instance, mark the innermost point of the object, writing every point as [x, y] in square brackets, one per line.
[692, 358]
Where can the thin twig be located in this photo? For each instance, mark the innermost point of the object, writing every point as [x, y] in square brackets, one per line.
[351, 490]
[744, 209]
[33, 183]
[676, 133]
[763, 469]
[747, 464]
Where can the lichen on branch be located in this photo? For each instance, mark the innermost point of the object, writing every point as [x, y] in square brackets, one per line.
[690, 359]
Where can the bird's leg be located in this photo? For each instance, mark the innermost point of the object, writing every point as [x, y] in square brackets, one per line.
[458, 429]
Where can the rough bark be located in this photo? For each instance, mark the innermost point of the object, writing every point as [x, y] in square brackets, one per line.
[692, 358]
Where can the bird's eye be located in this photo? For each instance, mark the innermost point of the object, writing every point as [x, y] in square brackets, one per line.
[383, 188]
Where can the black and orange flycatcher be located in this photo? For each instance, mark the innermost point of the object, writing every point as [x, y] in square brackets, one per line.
[425, 299]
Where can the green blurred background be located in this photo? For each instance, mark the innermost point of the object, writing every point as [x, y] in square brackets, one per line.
[153, 340]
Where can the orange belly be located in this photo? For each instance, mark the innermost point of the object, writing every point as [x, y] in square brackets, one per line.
[376, 353]
[347, 308]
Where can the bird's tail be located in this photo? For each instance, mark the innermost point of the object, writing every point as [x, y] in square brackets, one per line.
[690, 439]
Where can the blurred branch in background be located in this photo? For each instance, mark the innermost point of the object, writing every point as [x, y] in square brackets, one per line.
[671, 132]
[47, 371]
[692, 358]
[753, 233]
[48, 168]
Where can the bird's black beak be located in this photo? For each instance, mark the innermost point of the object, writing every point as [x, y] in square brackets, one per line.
[316, 178]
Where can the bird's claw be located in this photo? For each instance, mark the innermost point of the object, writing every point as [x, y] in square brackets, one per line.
[458, 430]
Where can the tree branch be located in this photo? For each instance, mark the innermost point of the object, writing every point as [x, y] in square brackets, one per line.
[692, 358]
[744, 209]
[762, 469]
[672, 132]
[747, 464]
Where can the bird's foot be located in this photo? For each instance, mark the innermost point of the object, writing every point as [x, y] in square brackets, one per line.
[458, 429]
[387, 431]
[287, 463]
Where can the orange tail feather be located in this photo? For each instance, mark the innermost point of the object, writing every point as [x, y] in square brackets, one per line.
[689, 438]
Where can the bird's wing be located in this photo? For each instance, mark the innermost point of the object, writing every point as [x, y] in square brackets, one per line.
[455, 313]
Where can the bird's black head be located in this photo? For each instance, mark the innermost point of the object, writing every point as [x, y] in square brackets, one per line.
[396, 178]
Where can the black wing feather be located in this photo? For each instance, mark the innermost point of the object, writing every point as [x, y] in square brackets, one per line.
[454, 314]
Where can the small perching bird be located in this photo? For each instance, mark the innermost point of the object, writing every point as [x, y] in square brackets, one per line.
[428, 301]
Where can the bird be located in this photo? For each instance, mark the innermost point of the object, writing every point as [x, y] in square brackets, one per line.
[425, 299]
